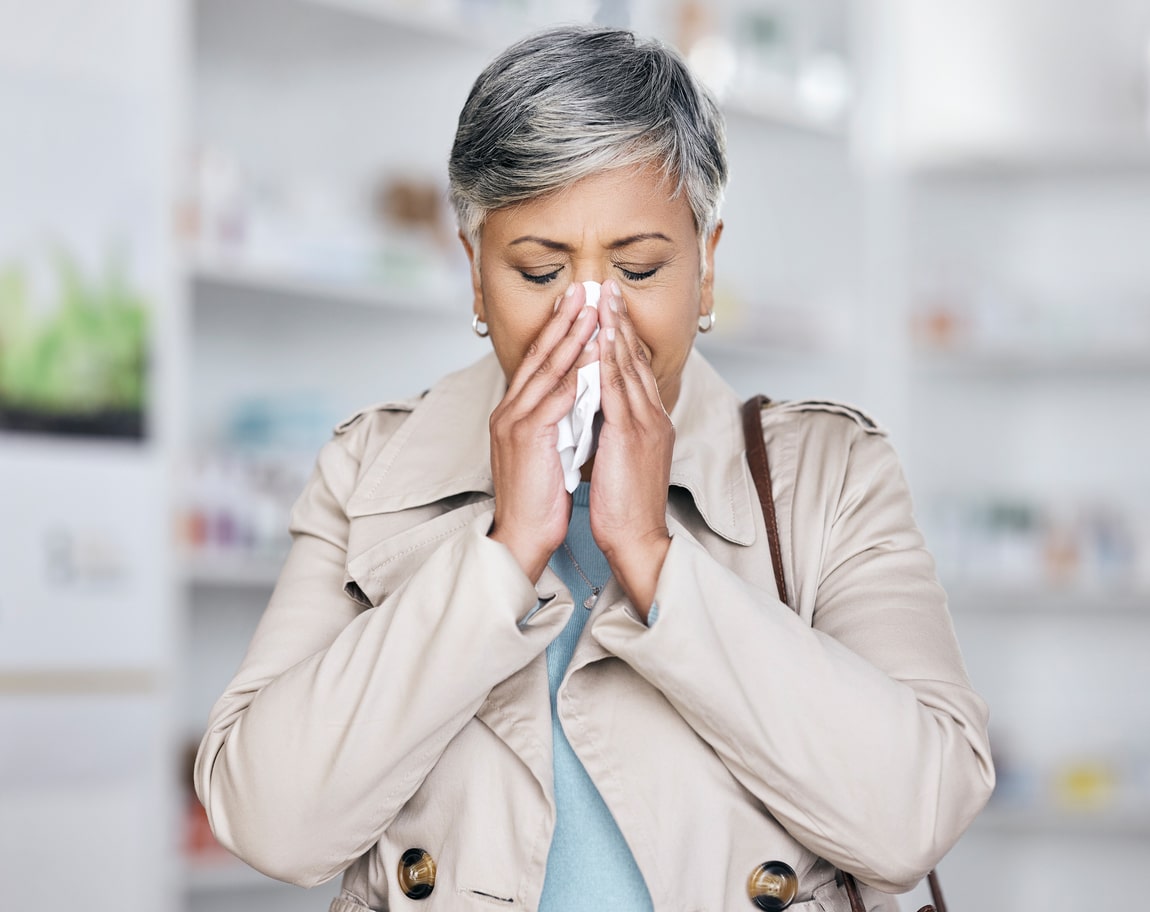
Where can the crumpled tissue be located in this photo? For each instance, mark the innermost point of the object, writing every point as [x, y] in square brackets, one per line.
[576, 428]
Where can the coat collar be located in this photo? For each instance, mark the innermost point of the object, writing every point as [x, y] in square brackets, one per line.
[444, 448]
[710, 452]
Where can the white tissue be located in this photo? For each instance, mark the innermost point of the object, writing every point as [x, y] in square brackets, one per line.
[576, 434]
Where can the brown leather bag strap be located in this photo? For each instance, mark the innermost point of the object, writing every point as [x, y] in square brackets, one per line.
[857, 905]
[936, 891]
[761, 472]
[853, 893]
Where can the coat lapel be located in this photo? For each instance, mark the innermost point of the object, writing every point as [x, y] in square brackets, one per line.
[443, 449]
[709, 459]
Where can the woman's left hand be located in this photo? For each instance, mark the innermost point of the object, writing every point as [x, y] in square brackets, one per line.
[633, 459]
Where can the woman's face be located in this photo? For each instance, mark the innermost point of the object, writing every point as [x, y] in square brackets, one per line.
[621, 224]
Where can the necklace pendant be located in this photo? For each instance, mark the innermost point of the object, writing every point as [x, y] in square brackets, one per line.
[590, 601]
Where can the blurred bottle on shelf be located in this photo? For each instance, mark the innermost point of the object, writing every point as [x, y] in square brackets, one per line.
[216, 215]
[766, 54]
[1010, 542]
[958, 310]
[238, 504]
[397, 237]
[1085, 784]
[777, 58]
[707, 50]
[239, 490]
[418, 248]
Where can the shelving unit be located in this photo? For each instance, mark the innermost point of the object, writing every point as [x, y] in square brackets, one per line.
[1007, 364]
[231, 278]
[438, 23]
[1035, 602]
[1049, 422]
[1130, 156]
[257, 573]
[1014, 822]
[785, 117]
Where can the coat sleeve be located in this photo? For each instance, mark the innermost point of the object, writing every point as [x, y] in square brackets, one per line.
[858, 731]
[337, 712]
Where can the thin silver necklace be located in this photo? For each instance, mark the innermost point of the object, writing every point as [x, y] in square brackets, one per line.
[588, 602]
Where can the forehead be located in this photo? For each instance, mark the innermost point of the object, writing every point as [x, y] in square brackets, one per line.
[616, 203]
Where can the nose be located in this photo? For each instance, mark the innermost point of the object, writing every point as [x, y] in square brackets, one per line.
[591, 270]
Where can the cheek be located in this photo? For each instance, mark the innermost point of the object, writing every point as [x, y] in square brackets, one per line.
[514, 325]
[666, 332]
[511, 347]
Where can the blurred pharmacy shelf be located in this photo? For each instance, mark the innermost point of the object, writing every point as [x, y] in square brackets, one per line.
[1115, 823]
[1033, 362]
[1005, 162]
[438, 22]
[1027, 410]
[441, 24]
[487, 29]
[1035, 601]
[778, 349]
[280, 283]
[233, 571]
[786, 114]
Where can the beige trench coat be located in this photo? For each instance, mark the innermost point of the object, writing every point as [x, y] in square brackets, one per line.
[395, 693]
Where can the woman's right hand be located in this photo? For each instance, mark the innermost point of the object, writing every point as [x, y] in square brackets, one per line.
[532, 506]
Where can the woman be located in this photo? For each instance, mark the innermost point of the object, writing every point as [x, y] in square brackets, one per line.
[392, 719]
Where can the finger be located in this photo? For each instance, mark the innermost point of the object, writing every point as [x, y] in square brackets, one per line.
[612, 383]
[555, 350]
[565, 310]
[634, 366]
[589, 354]
[551, 391]
[638, 356]
[552, 374]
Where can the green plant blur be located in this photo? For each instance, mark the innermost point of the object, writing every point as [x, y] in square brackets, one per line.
[86, 355]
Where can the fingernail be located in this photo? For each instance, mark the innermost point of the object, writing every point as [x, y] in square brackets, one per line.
[610, 333]
[583, 311]
[613, 303]
[570, 292]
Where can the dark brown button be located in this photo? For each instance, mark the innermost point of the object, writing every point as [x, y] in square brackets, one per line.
[417, 874]
[773, 886]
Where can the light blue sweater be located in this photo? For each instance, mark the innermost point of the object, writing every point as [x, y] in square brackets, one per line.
[590, 866]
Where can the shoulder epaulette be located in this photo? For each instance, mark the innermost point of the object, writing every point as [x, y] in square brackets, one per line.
[391, 405]
[861, 418]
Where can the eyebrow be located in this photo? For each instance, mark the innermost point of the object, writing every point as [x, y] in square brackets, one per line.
[614, 245]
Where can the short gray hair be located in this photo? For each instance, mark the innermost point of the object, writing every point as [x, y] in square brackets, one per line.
[573, 101]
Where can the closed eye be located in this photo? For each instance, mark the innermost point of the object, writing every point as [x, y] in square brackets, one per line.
[545, 279]
[633, 276]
